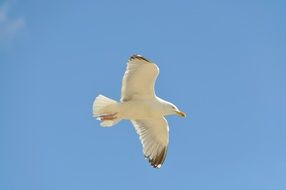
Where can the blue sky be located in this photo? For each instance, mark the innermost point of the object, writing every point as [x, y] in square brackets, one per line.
[222, 62]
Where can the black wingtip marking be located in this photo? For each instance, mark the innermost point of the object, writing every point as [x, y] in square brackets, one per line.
[140, 57]
[158, 161]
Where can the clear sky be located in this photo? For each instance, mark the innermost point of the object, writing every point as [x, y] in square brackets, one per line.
[222, 62]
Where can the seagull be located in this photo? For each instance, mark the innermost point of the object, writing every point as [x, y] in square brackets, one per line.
[142, 107]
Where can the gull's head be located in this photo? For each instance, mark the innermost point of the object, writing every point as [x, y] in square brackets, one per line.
[171, 109]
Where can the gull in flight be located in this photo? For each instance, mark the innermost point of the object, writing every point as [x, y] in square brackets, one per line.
[142, 107]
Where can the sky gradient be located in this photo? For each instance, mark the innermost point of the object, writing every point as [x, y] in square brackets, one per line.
[221, 62]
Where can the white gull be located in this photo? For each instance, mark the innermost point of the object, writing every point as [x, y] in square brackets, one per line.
[140, 104]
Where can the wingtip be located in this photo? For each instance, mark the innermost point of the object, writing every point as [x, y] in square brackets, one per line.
[158, 161]
[152, 163]
[140, 57]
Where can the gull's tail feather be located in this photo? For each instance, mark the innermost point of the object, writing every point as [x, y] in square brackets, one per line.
[105, 109]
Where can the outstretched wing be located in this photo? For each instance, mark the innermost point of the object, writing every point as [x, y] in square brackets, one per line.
[154, 136]
[139, 79]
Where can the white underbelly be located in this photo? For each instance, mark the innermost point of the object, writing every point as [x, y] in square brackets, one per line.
[139, 110]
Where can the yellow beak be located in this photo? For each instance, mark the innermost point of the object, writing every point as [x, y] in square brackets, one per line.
[180, 113]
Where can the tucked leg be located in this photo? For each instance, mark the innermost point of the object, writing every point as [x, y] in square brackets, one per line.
[107, 117]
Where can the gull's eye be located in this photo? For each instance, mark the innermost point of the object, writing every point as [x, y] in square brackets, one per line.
[173, 107]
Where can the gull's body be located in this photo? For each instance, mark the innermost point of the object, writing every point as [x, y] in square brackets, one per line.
[140, 109]
[140, 104]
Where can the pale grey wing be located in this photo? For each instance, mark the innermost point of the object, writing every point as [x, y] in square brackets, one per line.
[139, 79]
[154, 136]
